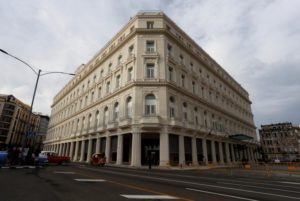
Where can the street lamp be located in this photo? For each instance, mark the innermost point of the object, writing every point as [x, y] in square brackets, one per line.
[38, 74]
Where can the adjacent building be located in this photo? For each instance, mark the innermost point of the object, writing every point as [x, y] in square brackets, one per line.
[13, 119]
[280, 141]
[152, 93]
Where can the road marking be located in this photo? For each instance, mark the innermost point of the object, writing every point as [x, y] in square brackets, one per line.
[192, 183]
[289, 182]
[61, 172]
[90, 180]
[135, 187]
[277, 189]
[220, 194]
[151, 197]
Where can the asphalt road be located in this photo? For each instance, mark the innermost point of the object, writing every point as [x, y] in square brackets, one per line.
[87, 183]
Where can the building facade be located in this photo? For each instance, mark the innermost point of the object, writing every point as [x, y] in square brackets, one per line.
[13, 120]
[151, 93]
[280, 141]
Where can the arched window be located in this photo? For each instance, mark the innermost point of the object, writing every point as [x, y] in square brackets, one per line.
[97, 118]
[105, 120]
[83, 123]
[196, 116]
[129, 106]
[89, 121]
[185, 112]
[116, 111]
[150, 105]
[172, 106]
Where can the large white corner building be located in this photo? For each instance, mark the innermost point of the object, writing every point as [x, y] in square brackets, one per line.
[152, 93]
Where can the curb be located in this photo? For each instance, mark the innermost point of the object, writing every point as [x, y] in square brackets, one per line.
[20, 167]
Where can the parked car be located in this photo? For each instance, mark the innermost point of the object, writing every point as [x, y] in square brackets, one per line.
[52, 157]
[3, 157]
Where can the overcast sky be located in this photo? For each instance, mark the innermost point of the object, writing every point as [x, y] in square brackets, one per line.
[256, 41]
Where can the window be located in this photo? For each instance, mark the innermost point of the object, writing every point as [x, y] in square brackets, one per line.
[97, 118]
[99, 92]
[118, 78]
[129, 106]
[116, 111]
[90, 121]
[150, 104]
[101, 73]
[86, 100]
[150, 70]
[107, 87]
[95, 77]
[129, 74]
[172, 107]
[130, 50]
[194, 88]
[109, 68]
[169, 50]
[83, 123]
[92, 97]
[181, 59]
[182, 80]
[120, 59]
[171, 74]
[150, 24]
[88, 84]
[105, 120]
[196, 116]
[185, 113]
[150, 46]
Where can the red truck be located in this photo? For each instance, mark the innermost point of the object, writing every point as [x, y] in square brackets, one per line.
[52, 157]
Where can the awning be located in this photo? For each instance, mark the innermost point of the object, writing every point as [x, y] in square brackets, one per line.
[241, 137]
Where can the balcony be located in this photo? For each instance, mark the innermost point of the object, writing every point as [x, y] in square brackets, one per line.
[152, 121]
[112, 125]
[125, 122]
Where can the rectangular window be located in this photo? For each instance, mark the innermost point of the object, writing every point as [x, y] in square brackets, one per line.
[182, 80]
[150, 46]
[150, 24]
[150, 70]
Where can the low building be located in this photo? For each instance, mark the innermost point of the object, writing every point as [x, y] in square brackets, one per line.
[280, 141]
[153, 93]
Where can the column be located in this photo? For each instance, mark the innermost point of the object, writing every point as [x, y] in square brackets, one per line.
[248, 154]
[60, 149]
[71, 150]
[98, 145]
[181, 150]
[164, 154]
[75, 158]
[232, 153]
[89, 153]
[136, 150]
[221, 153]
[82, 150]
[107, 149]
[194, 151]
[227, 153]
[204, 151]
[120, 150]
[213, 152]
[67, 149]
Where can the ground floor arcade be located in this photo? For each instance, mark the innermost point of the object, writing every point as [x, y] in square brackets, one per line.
[159, 148]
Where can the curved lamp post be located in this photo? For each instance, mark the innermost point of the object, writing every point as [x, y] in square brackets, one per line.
[38, 74]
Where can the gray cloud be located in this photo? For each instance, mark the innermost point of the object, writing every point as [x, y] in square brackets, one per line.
[257, 42]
